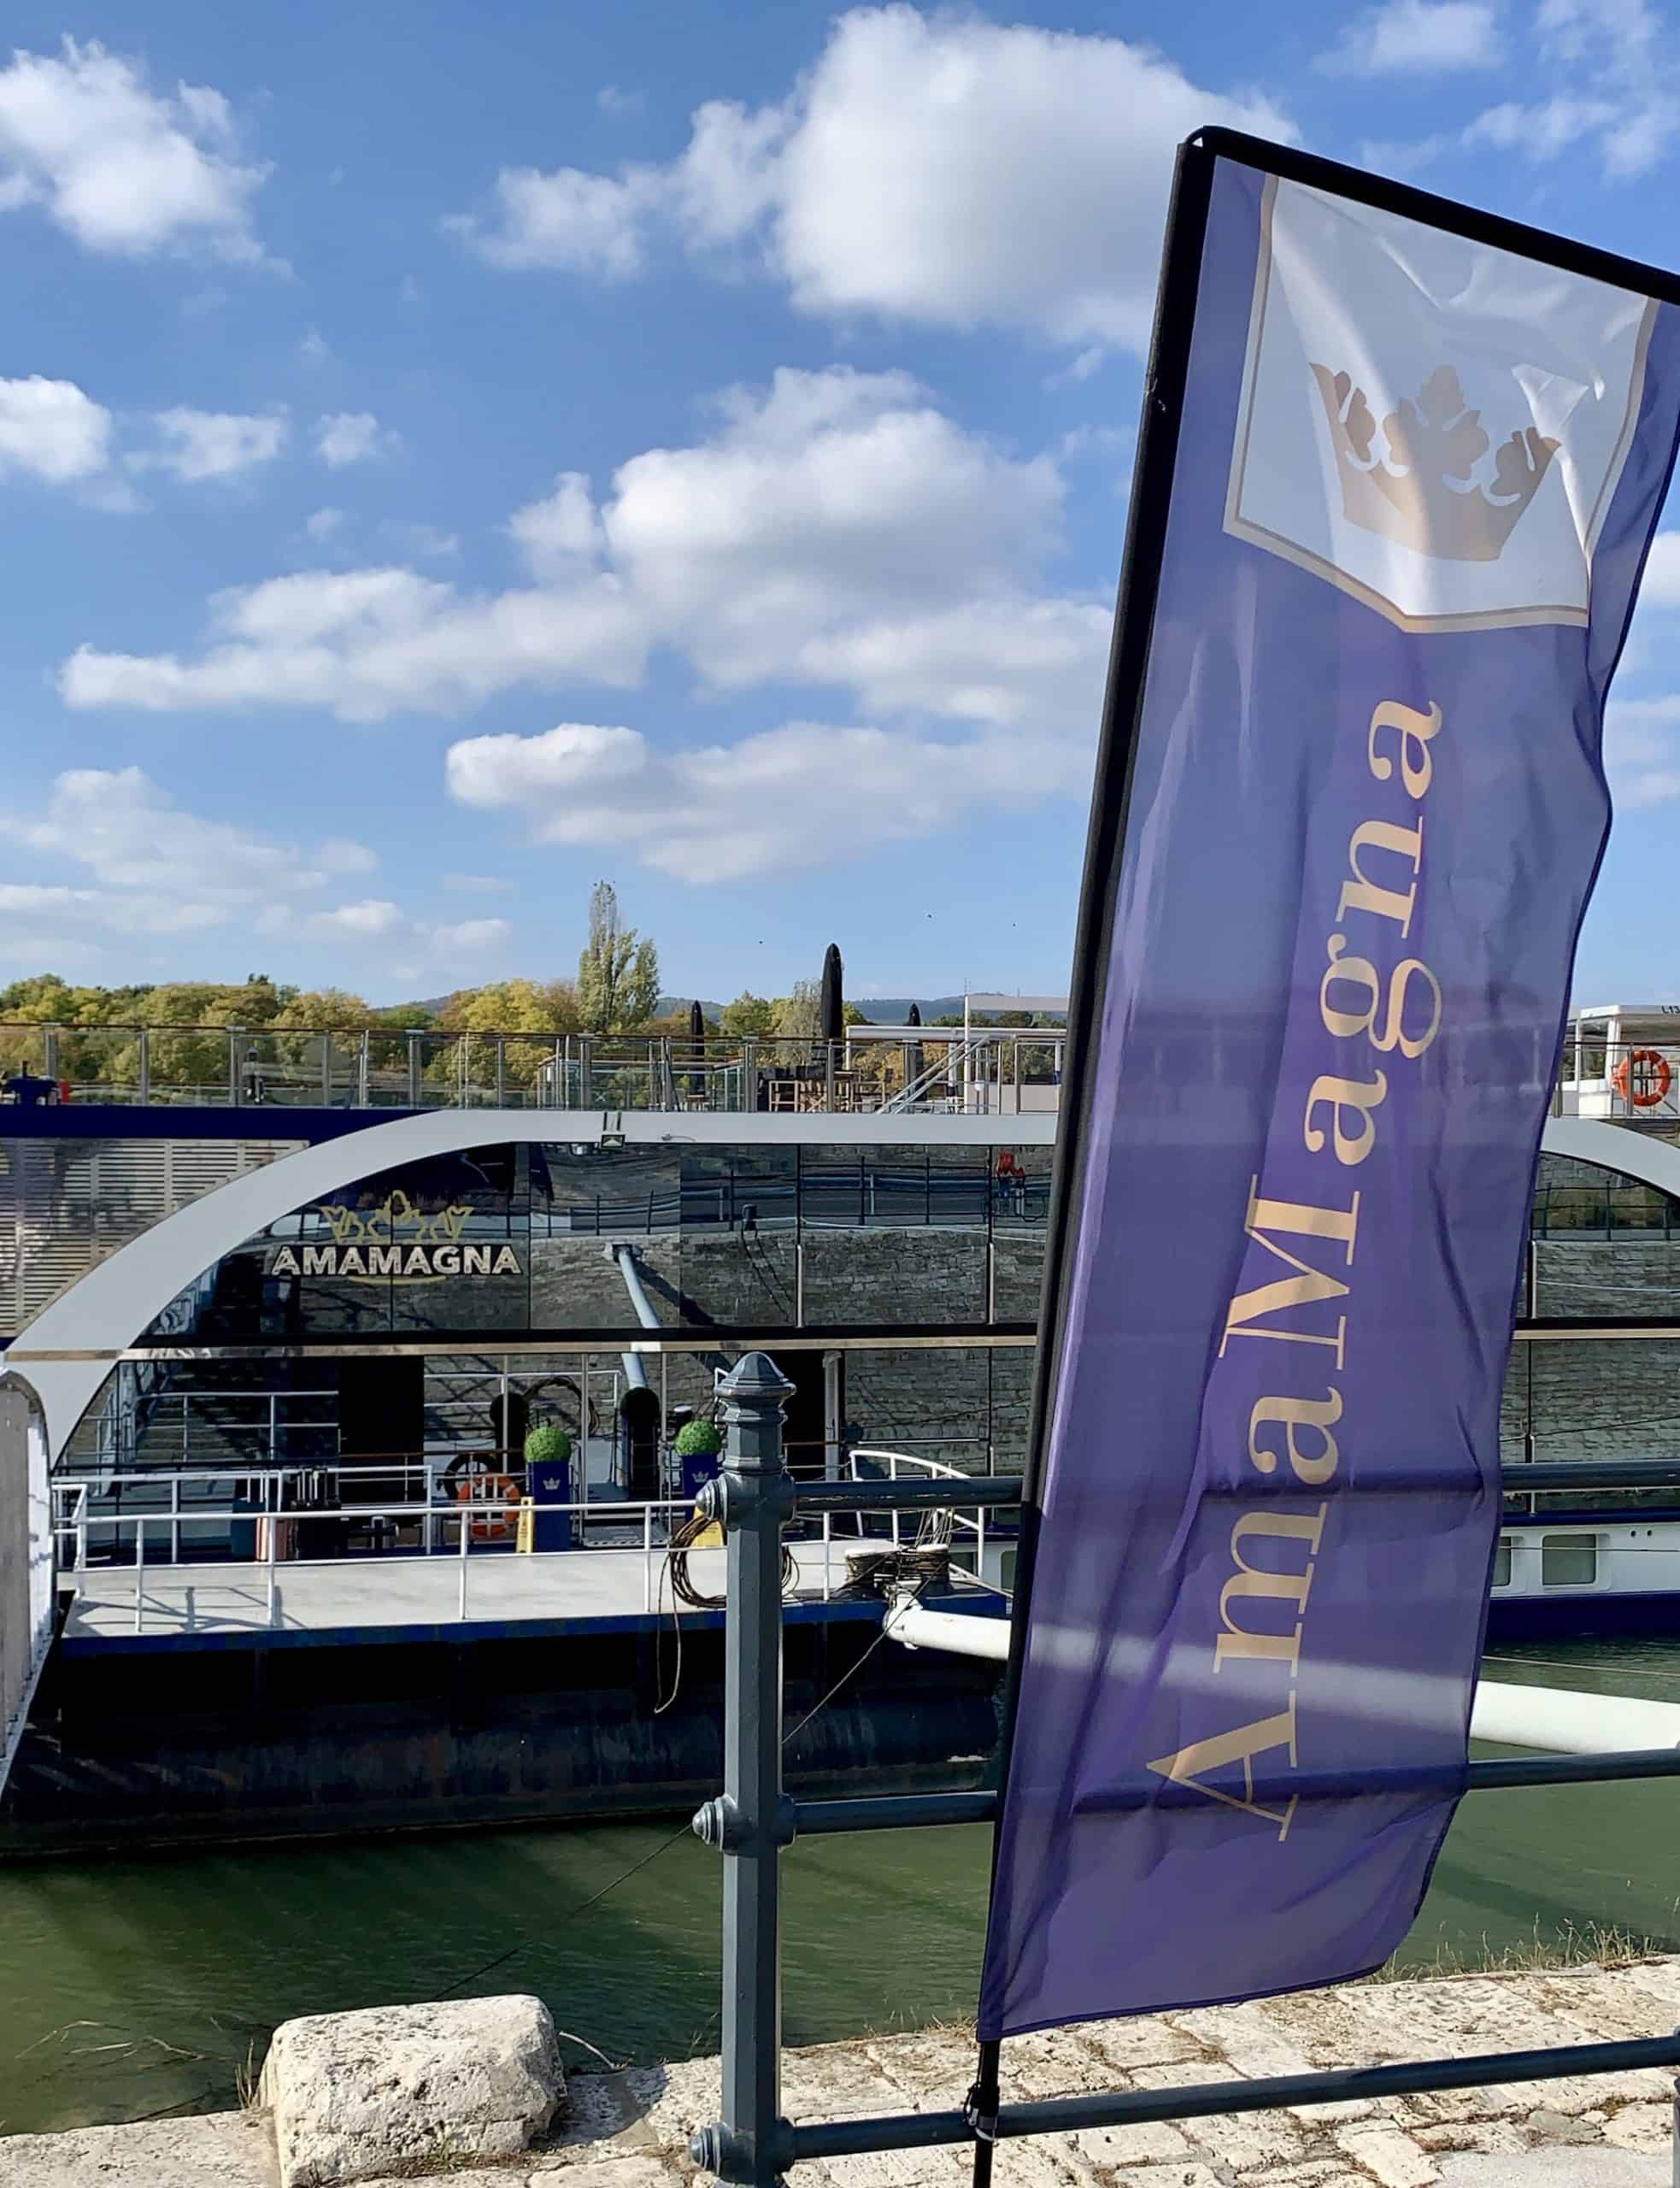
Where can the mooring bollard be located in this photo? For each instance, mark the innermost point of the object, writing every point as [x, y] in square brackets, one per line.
[753, 1499]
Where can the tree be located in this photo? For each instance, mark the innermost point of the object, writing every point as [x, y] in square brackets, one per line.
[515, 1006]
[749, 1017]
[617, 974]
[799, 1016]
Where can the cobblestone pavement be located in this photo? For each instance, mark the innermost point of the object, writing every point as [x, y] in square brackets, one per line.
[631, 2130]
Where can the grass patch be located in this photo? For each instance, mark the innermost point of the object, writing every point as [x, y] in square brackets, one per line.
[1593, 1945]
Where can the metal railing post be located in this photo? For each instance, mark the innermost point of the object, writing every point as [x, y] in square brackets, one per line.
[501, 1072]
[586, 1072]
[273, 1498]
[326, 1071]
[414, 1067]
[466, 1534]
[236, 1086]
[363, 1069]
[145, 1064]
[753, 1498]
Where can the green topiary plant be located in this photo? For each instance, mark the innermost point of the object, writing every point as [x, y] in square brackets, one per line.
[696, 1438]
[548, 1446]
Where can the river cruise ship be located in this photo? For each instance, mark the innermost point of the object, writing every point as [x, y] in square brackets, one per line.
[365, 1381]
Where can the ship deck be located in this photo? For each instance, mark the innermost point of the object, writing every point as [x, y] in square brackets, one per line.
[408, 1599]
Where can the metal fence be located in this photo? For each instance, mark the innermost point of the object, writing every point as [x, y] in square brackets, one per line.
[753, 1821]
[985, 1072]
[197, 1521]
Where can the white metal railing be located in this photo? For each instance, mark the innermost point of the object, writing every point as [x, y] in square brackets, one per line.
[452, 1526]
[908, 1465]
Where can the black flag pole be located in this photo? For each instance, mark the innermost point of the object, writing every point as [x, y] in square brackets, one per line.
[1134, 622]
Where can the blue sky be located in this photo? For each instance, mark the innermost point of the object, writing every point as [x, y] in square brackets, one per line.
[448, 454]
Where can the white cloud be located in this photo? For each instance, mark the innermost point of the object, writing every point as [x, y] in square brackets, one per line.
[118, 165]
[156, 868]
[365, 643]
[372, 917]
[339, 856]
[1613, 89]
[1641, 750]
[466, 937]
[1660, 587]
[323, 524]
[200, 444]
[618, 103]
[943, 170]
[836, 528]
[478, 885]
[420, 541]
[51, 430]
[560, 536]
[352, 437]
[1415, 38]
[312, 349]
[1539, 132]
[780, 802]
[582, 223]
[829, 503]
[1008, 658]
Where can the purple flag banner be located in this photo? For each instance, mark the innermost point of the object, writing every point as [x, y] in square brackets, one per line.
[1401, 470]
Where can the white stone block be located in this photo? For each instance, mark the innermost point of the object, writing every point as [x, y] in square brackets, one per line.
[357, 2095]
[1388, 2156]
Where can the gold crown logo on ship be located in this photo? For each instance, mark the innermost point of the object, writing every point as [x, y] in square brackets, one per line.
[393, 1218]
[1425, 487]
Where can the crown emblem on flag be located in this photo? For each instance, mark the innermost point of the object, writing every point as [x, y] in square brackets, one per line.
[1425, 483]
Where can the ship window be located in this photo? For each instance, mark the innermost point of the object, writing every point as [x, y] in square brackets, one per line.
[1502, 1565]
[1005, 1570]
[1568, 1560]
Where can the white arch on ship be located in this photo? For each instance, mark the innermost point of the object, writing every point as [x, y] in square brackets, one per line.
[63, 1355]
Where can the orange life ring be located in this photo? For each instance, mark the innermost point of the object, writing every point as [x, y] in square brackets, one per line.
[1643, 1078]
[501, 1493]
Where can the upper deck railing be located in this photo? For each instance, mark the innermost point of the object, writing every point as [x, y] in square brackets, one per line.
[979, 1070]
[985, 1072]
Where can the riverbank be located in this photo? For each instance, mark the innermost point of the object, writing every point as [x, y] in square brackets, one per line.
[631, 2129]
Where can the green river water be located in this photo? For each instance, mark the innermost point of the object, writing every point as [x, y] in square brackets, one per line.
[133, 1987]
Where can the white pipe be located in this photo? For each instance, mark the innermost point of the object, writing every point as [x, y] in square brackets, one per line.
[635, 1374]
[951, 1630]
[1550, 1718]
[1566, 1723]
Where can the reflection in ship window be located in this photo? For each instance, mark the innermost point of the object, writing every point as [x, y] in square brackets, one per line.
[607, 1192]
[1581, 1201]
[1603, 1398]
[896, 1188]
[741, 1188]
[1020, 1188]
[1568, 1560]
